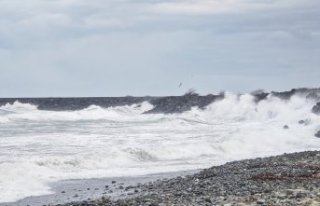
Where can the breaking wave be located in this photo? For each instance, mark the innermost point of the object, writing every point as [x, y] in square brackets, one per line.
[39, 147]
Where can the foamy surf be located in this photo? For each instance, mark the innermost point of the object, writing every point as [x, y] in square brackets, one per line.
[39, 147]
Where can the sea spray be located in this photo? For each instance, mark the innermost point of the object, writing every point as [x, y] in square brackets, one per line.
[39, 147]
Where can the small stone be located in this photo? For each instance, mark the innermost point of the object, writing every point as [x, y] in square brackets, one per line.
[207, 199]
[285, 127]
[63, 192]
[289, 192]
[317, 134]
[261, 201]
[301, 195]
[267, 191]
[114, 182]
[128, 188]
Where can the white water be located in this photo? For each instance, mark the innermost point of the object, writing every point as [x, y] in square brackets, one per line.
[41, 147]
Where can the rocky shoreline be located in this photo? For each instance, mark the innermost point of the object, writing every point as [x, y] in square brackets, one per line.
[289, 179]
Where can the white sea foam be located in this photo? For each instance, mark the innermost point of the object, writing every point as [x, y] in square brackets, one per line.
[40, 147]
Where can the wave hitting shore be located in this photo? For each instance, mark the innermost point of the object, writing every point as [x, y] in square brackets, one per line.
[45, 141]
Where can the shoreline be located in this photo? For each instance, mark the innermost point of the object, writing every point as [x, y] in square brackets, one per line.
[288, 179]
[78, 190]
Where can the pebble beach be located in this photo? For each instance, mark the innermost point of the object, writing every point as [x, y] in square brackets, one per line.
[288, 179]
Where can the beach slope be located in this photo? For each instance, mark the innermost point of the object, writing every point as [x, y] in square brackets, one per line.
[289, 179]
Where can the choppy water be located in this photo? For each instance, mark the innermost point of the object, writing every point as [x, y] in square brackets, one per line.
[40, 147]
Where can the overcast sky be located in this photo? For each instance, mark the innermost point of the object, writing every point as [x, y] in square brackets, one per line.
[147, 47]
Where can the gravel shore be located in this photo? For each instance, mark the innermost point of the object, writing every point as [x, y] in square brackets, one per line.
[289, 179]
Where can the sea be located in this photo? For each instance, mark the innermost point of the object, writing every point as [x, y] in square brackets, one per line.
[41, 147]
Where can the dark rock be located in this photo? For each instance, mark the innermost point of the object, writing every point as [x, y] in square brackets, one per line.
[284, 95]
[114, 182]
[313, 96]
[317, 134]
[316, 108]
[285, 127]
[305, 122]
[259, 95]
[178, 104]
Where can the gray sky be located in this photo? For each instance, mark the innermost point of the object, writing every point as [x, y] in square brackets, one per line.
[136, 47]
